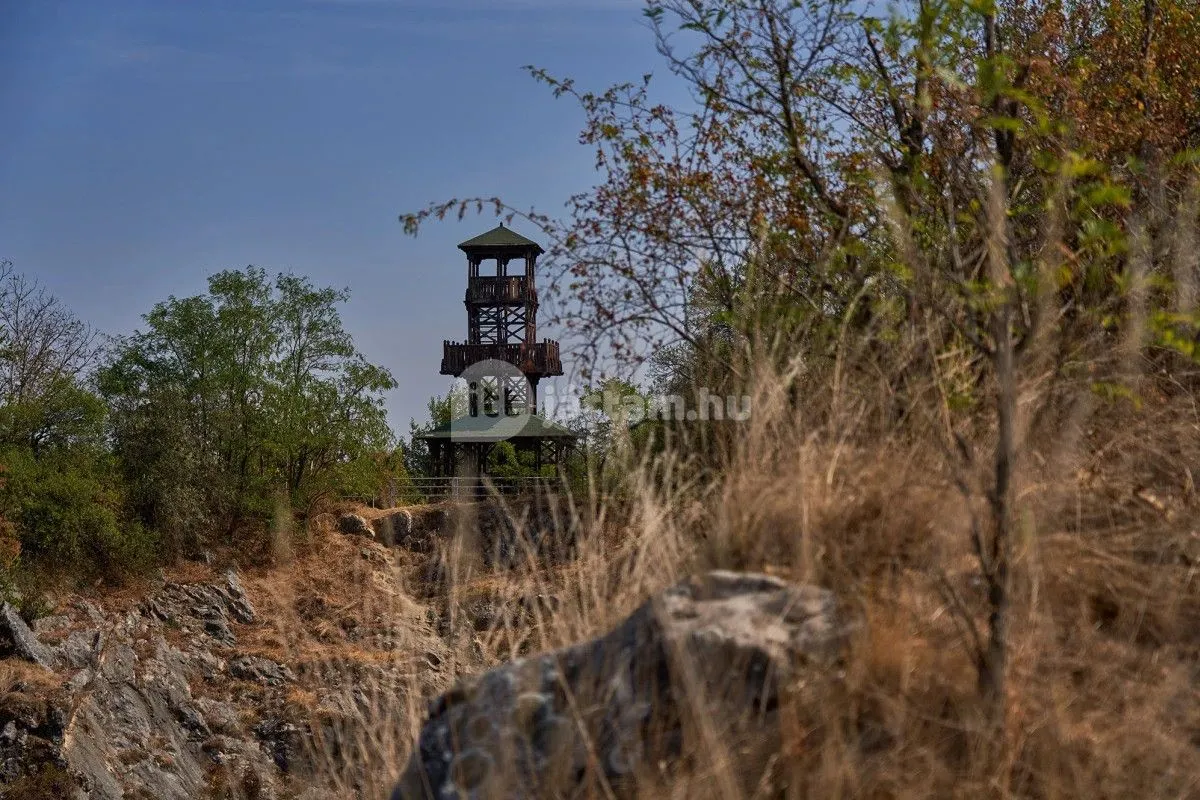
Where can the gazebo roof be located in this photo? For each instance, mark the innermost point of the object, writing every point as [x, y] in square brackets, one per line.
[499, 239]
[499, 428]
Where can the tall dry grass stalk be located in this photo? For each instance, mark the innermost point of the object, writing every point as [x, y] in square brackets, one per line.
[1102, 649]
[1083, 517]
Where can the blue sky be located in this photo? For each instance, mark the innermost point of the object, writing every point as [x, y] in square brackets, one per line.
[147, 145]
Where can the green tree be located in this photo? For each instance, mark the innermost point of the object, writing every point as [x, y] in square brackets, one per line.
[69, 511]
[46, 354]
[63, 505]
[441, 411]
[229, 397]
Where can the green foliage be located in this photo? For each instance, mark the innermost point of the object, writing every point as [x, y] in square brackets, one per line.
[230, 396]
[441, 411]
[1177, 332]
[617, 423]
[505, 461]
[68, 513]
[395, 486]
[65, 416]
[227, 402]
[62, 507]
[174, 484]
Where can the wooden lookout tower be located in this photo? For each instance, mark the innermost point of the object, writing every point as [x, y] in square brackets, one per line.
[502, 362]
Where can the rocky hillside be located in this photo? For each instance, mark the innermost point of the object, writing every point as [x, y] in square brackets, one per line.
[216, 682]
[307, 678]
[492, 653]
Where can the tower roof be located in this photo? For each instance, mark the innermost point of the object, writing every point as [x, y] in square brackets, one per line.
[499, 239]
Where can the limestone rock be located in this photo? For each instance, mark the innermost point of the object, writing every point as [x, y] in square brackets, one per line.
[24, 644]
[396, 528]
[236, 602]
[718, 646]
[155, 699]
[124, 721]
[355, 525]
[212, 606]
[50, 625]
[260, 670]
[81, 648]
[283, 740]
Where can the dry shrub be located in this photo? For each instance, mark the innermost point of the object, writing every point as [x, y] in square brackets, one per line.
[1104, 650]
[341, 615]
[1103, 699]
[1105, 647]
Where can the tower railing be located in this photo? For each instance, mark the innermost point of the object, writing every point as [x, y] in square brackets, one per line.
[539, 358]
[498, 289]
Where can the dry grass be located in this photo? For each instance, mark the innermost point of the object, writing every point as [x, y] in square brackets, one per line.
[1103, 698]
[1104, 692]
[340, 614]
[21, 676]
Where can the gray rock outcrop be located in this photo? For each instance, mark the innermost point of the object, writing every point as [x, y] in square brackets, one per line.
[127, 718]
[23, 642]
[417, 530]
[707, 657]
[355, 525]
[260, 670]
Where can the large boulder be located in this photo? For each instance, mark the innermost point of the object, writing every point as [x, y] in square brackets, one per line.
[708, 657]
